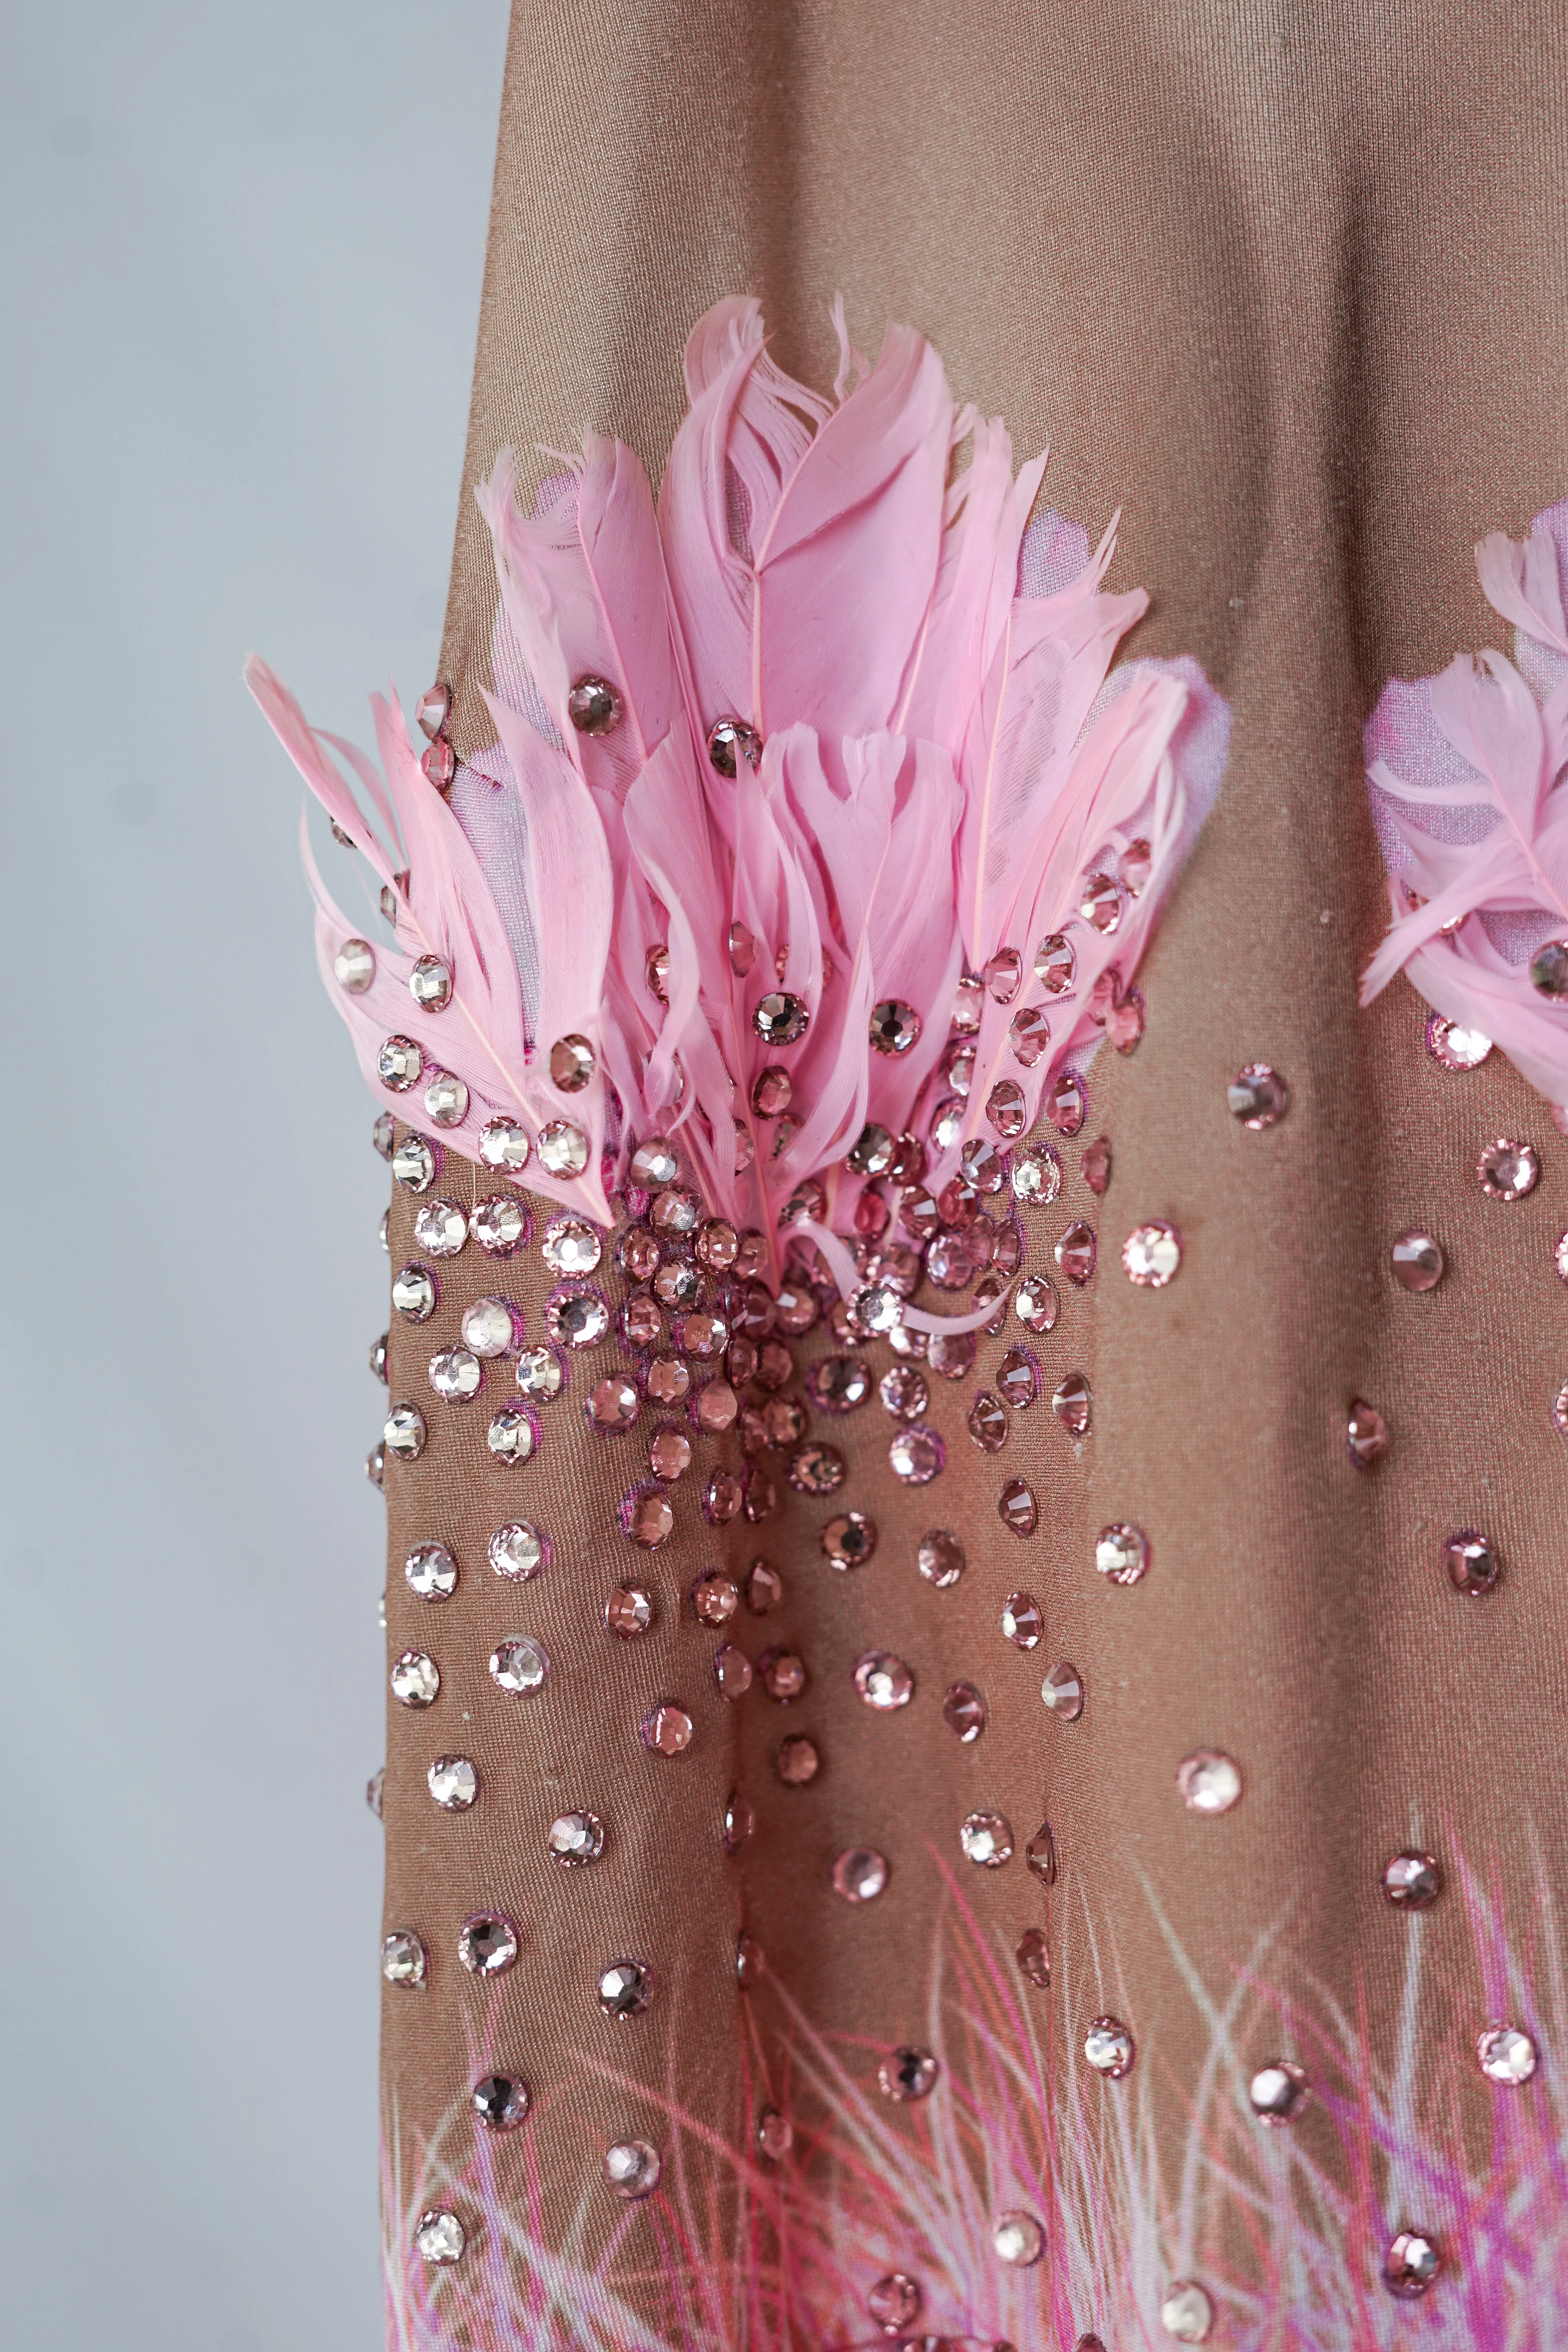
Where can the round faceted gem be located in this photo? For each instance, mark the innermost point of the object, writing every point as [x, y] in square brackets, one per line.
[403, 1435]
[903, 1392]
[1073, 1403]
[439, 2237]
[839, 1384]
[416, 1679]
[908, 2072]
[780, 1019]
[628, 1611]
[403, 1960]
[947, 1122]
[1560, 1411]
[504, 1146]
[776, 2136]
[500, 1225]
[1040, 1854]
[1055, 964]
[1006, 1107]
[570, 1246]
[859, 1874]
[647, 1517]
[1075, 1253]
[669, 1455]
[414, 1293]
[1002, 975]
[894, 2303]
[872, 1214]
[1037, 1175]
[1367, 1434]
[983, 1166]
[1022, 1621]
[1548, 969]
[939, 1557]
[1062, 1691]
[414, 1164]
[916, 1453]
[731, 741]
[490, 1328]
[714, 1598]
[716, 1408]
[1135, 865]
[1100, 903]
[1412, 1881]
[1471, 1560]
[1208, 1781]
[957, 1067]
[668, 1379]
[539, 1373]
[951, 1354]
[848, 1540]
[676, 1211]
[573, 1838]
[487, 1943]
[986, 1839]
[1507, 1171]
[562, 1149]
[876, 1309]
[382, 1133]
[740, 1820]
[718, 1245]
[376, 1465]
[989, 1420]
[1028, 1034]
[732, 1670]
[816, 1469]
[883, 1681]
[513, 1435]
[964, 1712]
[765, 1589]
[871, 1153]
[1278, 2093]
[742, 947]
[439, 765]
[456, 1374]
[655, 972]
[499, 2102]
[1034, 1956]
[1411, 2265]
[398, 1063]
[1094, 1165]
[593, 706]
[677, 1282]
[895, 1026]
[1185, 2311]
[1122, 1552]
[1151, 1254]
[665, 1729]
[1017, 2240]
[782, 1674]
[517, 1551]
[441, 1228]
[1035, 1303]
[430, 1573]
[632, 2168]
[520, 1666]
[1505, 2054]
[703, 1336]
[1017, 1507]
[722, 1497]
[353, 966]
[1419, 1261]
[796, 1762]
[1018, 1379]
[655, 1163]
[772, 1091]
[968, 1002]
[1560, 1256]
[612, 1404]
[430, 984]
[576, 1315]
[1110, 2048]
[1257, 1095]
[454, 1783]
[950, 1262]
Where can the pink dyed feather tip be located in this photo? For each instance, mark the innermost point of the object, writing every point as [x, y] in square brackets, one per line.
[779, 765]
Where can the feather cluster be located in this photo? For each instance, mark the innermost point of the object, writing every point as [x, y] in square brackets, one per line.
[1468, 777]
[930, 789]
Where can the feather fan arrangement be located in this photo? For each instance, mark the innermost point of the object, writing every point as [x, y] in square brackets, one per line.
[1469, 778]
[785, 766]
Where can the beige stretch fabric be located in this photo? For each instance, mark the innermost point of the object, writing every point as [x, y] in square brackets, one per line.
[1287, 284]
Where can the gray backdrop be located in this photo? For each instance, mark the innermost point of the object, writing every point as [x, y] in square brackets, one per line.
[243, 251]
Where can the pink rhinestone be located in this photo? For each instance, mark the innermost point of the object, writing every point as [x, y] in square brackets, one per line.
[718, 1245]
[740, 1820]
[1411, 2265]
[1455, 1048]
[1257, 1095]
[1017, 1507]
[732, 1670]
[1006, 1248]
[872, 1214]
[1560, 1411]
[1035, 1303]
[1471, 1562]
[668, 1380]
[939, 1557]
[1508, 1170]
[1018, 1377]
[1002, 974]
[641, 1322]
[1021, 1619]
[1073, 1405]
[1100, 905]
[704, 1337]
[749, 1960]
[612, 1404]
[989, 1420]
[759, 1497]
[883, 1681]
[859, 1874]
[716, 1408]
[1135, 865]
[951, 1354]
[765, 1589]
[1412, 1881]
[1028, 1034]
[433, 709]
[1418, 1261]
[796, 1762]
[647, 1517]
[1075, 1253]
[964, 1712]
[1125, 1026]
[782, 1674]
[1094, 1166]
[1066, 1103]
[1040, 1854]
[950, 1262]
[916, 1453]
[440, 764]
[776, 2136]
[665, 1729]
[1062, 1691]
[628, 1611]
[1006, 1109]
[904, 1393]
[894, 2303]
[1208, 1781]
[721, 1498]
[908, 2072]
[669, 1455]
[816, 1469]
[771, 1091]
[1152, 1254]
[1121, 1553]
[1367, 1434]
[1055, 964]
[1034, 1958]
[714, 1598]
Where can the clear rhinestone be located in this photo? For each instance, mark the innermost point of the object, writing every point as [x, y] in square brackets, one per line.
[454, 1783]
[499, 2102]
[1471, 1560]
[504, 1146]
[986, 1839]
[964, 1712]
[939, 1557]
[957, 1067]
[849, 1540]
[447, 1099]
[1418, 1261]
[1508, 1170]
[859, 1874]
[518, 1551]
[487, 1943]
[796, 1762]
[572, 1065]
[1412, 1881]
[576, 1317]
[1034, 1956]
[626, 1987]
[1017, 2240]
[456, 1374]
[430, 984]
[439, 2237]
[876, 1309]
[1017, 1507]
[731, 741]
[1152, 1254]
[947, 1122]
[1037, 1175]
[353, 966]
[403, 1960]
[895, 1026]
[1035, 1303]
[628, 1611]
[430, 1573]
[1073, 1403]
[1185, 2311]
[1208, 1781]
[490, 1328]
[1040, 1855]
[376, 1465]
[1110, 2048]
[403, 1435]
[513, 1435]
[593, 706]
[654, 1164]
[441, 1228]
[908, 2072]
[520, 1666]
[1506, 2056]
[665, 1729]
[1278, 2093]
[575, 1838]
[883, 1681]
[903, 1392]
[539, 1373]
[1367, 1434]
[1022, 1621]
[1411, 2265]
[1062, 1691]
[1122, 1552]
[562, 1149]
[916, 1453]
[1454, 1047]
[398, 1063]
[894, 2303]
[416, 1679]
[632, 2168]
[1257, 1095]
[500, 1225]
[570, 1246]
